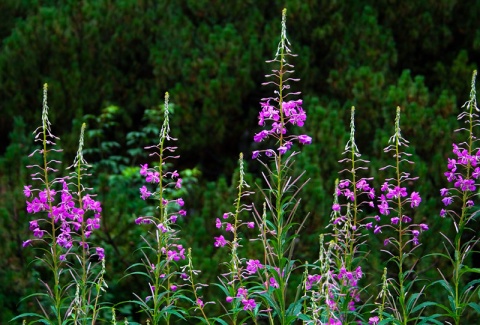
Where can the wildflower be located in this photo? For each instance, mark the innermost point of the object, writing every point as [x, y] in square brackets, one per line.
[178, 184]
[143, 169]
[27, 191]
[304, 139]
[250, 224]
[415, 199]
[144, 192]
[282, 150]
[447, 200]
[229, 299]
[220, 241]
[180, 202]
[100, 252]
[373, 320]
[248, 304]
[218, 223]
[242, 293]
[273, 283]
[153, 177]
[200, 303]
[253, 266]
[26, 243]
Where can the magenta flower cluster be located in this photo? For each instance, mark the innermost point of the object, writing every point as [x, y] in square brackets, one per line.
[346, 189]
[66, 214]
[292, 114]
[391, 195]
[151, 175]
[461, 182]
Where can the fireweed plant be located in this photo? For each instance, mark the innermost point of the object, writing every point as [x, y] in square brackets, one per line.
[238, 283]
[341, 260]
[396, 205]
[277, 224]
[463, 172]
[67, 216]
[162, 250]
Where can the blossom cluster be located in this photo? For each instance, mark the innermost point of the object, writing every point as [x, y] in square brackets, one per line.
[291, 113]
[65, 214]
[391, 195]
[461, 182]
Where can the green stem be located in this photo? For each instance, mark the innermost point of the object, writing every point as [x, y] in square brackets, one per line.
[55, 259]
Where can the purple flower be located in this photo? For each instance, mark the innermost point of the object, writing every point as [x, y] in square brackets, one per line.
[27, 191]
[229, 299]
[100, 252]
[200, 303]
[220, 241]
[180, 202]
[273, 283]
[255, 154]
[143, 169]
[336, 207]
[37, 232]
[178, 184]
[373, 320]
[384, 208]
[423, 227]
[447, 200]
[260, 136]
[253, 266]
[250, 224]
[153, 177]
[304, 139]
[218, 223]
[26, 243]
[242, 293]
[144, 193]
[444, 192]
[248, 304]
[282, 150]
[415, 199]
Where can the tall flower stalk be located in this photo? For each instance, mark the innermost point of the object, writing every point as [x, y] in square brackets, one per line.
[162, 250]
[277, 114]
[241, 304]
[463, 173]
[351, 195]
[64, 231]
[396, 203]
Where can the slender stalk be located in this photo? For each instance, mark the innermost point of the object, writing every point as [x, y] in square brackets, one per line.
[54, 248]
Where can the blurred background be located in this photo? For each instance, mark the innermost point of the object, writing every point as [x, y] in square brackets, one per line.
[109, 63]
